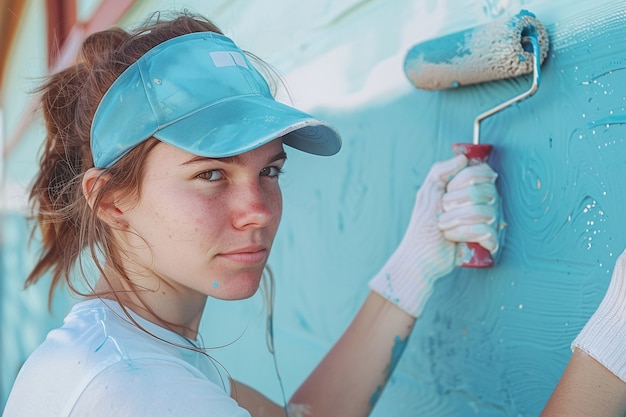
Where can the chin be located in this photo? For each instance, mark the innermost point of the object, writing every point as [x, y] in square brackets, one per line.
[239, 288]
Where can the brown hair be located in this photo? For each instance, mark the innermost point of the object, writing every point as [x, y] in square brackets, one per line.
[69, 100]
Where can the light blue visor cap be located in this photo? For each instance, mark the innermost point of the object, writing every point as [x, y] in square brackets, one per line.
[199, 93]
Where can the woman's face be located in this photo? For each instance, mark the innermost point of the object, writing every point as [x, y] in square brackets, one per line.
[204, 226]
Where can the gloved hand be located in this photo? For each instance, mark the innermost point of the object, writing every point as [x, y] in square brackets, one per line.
[440, 219]
[604, 336]
[472, 211]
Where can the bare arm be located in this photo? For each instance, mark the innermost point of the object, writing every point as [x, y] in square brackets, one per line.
[351, 377]
[587, 389]
[256, 403]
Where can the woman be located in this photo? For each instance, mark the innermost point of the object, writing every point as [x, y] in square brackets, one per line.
[161, 166]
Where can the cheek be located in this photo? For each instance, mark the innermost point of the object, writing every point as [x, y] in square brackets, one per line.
[181, 215]
[277, 206]
[204, 216]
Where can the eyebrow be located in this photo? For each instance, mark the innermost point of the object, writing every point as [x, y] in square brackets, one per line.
[235, 159]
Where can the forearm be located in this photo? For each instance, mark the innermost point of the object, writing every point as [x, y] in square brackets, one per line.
[256, 403]
[350, 378]
[587, 389]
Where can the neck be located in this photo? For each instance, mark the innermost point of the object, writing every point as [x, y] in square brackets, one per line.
[164, 306]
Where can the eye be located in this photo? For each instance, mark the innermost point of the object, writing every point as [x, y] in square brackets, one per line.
[271, 171]
[212, 175]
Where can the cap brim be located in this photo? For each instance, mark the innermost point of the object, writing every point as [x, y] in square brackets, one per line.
[238, 125]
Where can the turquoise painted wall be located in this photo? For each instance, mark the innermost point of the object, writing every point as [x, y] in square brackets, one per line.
[492, 342]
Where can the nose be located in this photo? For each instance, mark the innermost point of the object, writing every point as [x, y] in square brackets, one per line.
[257, 205]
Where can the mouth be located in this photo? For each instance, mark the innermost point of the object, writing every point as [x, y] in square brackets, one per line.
[246, 256]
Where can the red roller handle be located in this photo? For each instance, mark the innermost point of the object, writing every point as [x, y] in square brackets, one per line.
[476, 153]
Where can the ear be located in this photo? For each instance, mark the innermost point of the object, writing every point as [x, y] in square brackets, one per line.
[107, 208]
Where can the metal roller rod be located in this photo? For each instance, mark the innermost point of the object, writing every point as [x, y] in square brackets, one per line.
[535, 85]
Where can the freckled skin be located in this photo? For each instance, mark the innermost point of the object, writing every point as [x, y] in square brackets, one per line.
[205, 227]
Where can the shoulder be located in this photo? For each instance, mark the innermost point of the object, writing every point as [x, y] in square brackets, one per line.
[54, 369]
[100, 355]
[157, 388]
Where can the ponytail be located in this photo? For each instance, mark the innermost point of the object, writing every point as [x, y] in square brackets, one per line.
[67, 224]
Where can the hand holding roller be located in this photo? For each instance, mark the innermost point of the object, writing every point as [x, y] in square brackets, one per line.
[502, 49]
[439, 218]
[475, 255]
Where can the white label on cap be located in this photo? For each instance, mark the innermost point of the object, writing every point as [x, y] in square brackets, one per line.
[228, 59]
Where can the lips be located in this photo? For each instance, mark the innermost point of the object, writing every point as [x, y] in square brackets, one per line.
[252, 255]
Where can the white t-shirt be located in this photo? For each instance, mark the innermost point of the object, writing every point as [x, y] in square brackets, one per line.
[99, 364]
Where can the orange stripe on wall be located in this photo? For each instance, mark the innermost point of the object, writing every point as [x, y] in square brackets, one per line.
[68, 39]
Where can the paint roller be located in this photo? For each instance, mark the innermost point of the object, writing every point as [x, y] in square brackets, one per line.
[503, 48]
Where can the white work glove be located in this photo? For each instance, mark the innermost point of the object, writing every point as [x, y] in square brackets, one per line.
[468, 212]
[604, 335]
[472, 210]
